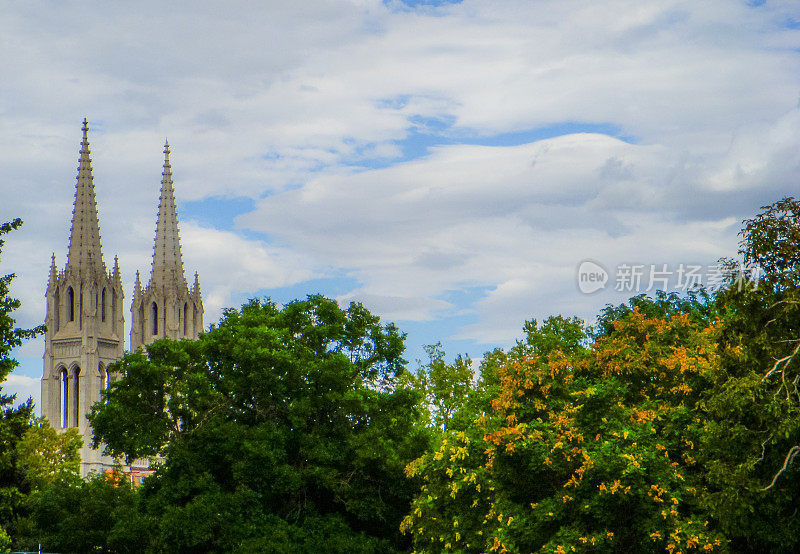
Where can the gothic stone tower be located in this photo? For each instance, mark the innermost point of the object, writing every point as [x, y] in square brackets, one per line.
[84, 321]
[166, 307]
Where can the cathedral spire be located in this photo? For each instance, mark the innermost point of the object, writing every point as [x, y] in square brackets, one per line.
[167, 259]
[84, 311]
[84, 239]
[166, 307]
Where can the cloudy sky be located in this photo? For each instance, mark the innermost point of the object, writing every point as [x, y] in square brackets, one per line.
[448, 164]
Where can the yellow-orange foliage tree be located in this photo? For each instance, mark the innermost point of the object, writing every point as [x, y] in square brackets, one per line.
[585, 448]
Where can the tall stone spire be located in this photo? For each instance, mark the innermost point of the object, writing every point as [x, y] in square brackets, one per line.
[167, 258]
[166, 307]
[85, 323]
[84, 239]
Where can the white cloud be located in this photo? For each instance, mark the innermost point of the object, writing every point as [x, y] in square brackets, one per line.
[402, 308]
[516, 220]
[278, 102]
[24, 387]
[230, 265]
[307, 87]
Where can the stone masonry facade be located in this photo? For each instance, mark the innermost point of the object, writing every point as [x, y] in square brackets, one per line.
[85, 320]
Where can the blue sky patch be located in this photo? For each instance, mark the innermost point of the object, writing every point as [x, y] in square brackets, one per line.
[430, 132]
[218, 212]
[398, 5]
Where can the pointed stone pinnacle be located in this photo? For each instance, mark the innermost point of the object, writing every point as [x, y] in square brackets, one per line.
[167, 257]
[53, 277]
[84, 242]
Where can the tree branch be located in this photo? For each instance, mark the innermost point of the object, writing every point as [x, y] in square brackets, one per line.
[786, 462]
[786, 359]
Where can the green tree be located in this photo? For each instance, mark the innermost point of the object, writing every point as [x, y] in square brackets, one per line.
[45, 458]
[46, 455]
[444, 387]
[5, 540]
[279, 430]
[754, 405]
[587, 448]
[96, 515]
[698, 303]
[694, 409]
[10, 335]
[14, 421]
[770, 240]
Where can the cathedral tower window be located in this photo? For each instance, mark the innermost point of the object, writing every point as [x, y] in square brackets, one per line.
[57, 310]
[103, 305]
[70, 304]
[113, 310]
[185, 317]
[76, 390]
[155, 318]
[141, 320]
[64, 397]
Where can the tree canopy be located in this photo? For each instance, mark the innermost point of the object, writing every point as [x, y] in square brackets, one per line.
[19, 437]
[279, 429]
[670, 425]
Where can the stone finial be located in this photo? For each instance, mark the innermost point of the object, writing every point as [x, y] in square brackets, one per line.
[116, 274]
[51, 280]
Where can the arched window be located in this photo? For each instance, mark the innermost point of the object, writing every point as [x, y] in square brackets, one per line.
[141, 322]
[113, 310]
[103, 305]
[70, 304]
[76, 393]
[64, 397]
[185, 319]
[155, 318]
[57, 314]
